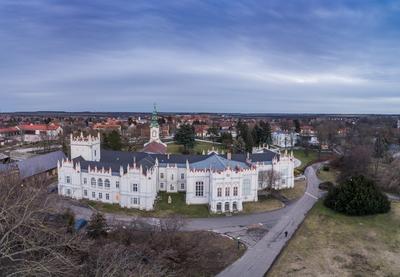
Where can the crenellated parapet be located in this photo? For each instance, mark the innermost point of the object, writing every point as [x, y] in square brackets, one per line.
[85, 140]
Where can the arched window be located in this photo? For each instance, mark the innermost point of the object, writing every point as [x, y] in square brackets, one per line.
[227, 191]
[100, 182]
[234, 206]
[235, 191]
[93, 182]
[219, 207]
[226, 206]
[219, 192]
[107, 184]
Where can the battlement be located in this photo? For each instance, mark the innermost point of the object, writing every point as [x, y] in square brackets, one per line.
[85, 140]
[88, 147]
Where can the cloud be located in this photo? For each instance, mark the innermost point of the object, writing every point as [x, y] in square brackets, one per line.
[233, 56]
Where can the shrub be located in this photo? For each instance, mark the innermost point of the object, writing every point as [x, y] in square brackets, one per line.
[325, 168]
[325, 185]
[357, 196]
[97, 226]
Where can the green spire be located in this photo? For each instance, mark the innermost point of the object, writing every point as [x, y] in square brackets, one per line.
[154, 118]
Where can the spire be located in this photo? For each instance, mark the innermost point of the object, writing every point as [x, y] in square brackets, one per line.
[154, 118]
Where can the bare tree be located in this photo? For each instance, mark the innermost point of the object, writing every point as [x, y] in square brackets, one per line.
[269, 178]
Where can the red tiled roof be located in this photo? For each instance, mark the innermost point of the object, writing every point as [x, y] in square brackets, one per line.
[39, 127]
[155, 147]
[8, 130]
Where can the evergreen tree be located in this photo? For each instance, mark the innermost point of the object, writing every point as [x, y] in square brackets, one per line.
[97, 226]
[297, 128]
[185, 136]
[112, 141]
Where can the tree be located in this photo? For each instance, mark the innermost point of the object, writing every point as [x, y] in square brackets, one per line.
[239, 145]
[269, 178]
[112, 141]
[226, 140]
[213, 131]
[297, 127]
[380, 148]
[357, 196]
[185, 136]
[97, 226]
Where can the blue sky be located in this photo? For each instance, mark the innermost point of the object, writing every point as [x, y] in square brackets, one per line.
[217, 56]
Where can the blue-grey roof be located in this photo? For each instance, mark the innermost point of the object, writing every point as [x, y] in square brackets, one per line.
[217, 162]
[39, 164]
[115, 159]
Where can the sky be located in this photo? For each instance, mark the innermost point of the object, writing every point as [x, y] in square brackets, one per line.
[249, 56]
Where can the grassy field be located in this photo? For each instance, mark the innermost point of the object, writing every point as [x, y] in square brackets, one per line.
[162, 208]
[328, 176]
[264, 204]
[307, 159]
[174, 148]
[296, 192]
[331, 244]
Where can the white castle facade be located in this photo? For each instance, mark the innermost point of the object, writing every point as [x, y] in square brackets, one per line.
[133, 179]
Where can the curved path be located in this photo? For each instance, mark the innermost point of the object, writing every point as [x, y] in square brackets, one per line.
[258, 259]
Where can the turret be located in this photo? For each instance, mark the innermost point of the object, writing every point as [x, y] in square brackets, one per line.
[86, 147]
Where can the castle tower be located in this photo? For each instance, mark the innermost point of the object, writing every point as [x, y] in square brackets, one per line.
[154, 127]
[86, 147]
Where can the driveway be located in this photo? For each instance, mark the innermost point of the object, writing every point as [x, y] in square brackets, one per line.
[258, 259]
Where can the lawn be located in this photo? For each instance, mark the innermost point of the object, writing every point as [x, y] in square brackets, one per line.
[296, 192]
[328, 176]
[264, 204]
[307, 159]
[174, 148]
[331, 244]
[161, 209]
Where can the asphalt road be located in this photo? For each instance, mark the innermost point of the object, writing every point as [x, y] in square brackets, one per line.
[258, 259]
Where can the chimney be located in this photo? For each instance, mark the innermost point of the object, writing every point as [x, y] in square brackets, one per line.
[229, 156]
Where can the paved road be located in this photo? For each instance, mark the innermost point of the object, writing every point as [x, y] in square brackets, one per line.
[258, 259]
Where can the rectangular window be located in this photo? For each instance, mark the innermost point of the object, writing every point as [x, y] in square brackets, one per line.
[85, 192]
[182, 176]
[162, 175]
[84, 181]
[117, 184]
[219, 192]
[93, 194]
[171, 187]
[134, 187]
[162, 185]
[199, 189]
[135, 201]
[107, 196]
[227, 191]
[246, 187]
[235, 191]
[172, 176]
[68, 192]
[183, 186]
[100, 195]
[68, 179]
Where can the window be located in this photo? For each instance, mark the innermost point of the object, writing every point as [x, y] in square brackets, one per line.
[182, 176]
[68, 179]
[93, 194]
[85, 192]
[226, 206]
[219, 192]
[183, 186]
[162, 175]
[234, 206]
[100, 183]
[134, 187]
[199, 189]
[235, 191]
[246, 187]
[68, 192]
[219, 207]
[95, 153]
[171, 187]
[172, 176]
[100, 195]
[107, 196]
[227, 191]
[107, 184]
[135, 201]
[93, 182]
[84, 181]
[162, 185]
[117, 184]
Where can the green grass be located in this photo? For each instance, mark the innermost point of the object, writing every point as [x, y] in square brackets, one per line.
[264, 204]
[307, 159]
[161, 208]
[174, 148]
[328, 176]
[332, 244]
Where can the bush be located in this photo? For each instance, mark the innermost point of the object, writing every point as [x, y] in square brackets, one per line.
[357, 196]
[97, 226]
[326, 168]
[325, 185]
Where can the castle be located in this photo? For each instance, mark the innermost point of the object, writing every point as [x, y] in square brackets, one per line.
[133, 179]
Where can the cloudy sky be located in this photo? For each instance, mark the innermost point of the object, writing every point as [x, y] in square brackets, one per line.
[186, 55]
